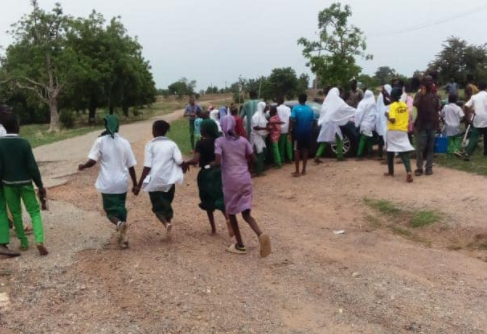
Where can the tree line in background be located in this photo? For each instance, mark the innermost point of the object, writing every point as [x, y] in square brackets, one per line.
[58, 62]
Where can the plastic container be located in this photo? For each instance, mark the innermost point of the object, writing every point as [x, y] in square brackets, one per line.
[441, 144]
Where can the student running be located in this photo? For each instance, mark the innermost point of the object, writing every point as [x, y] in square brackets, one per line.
[232, 153]
[117, 162]
[163, 169]
[19, 171]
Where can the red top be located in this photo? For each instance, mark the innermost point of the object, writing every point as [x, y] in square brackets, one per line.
[239, 127]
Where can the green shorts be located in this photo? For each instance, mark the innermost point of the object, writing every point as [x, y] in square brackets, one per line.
[114, 206]
[161, 202]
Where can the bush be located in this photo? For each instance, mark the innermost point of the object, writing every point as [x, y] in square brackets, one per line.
[67, 119]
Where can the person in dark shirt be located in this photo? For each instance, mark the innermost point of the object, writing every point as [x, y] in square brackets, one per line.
[209, 178]
[426, 125]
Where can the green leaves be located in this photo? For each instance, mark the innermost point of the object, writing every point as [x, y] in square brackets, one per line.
[332, 57]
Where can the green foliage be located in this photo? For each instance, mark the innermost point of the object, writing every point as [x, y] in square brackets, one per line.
[424, 218]
[385, 74]
[67, 119]
[332, 57]
[281, 82]
[182, 87]
[459, 60]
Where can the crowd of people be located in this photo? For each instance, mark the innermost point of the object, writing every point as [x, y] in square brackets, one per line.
[230, 142]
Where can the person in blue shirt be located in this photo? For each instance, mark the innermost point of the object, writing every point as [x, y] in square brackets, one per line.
[301, 125]
[191, 109]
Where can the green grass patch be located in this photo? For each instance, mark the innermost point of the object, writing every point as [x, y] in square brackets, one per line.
[179, 132]
[477, 164]
[38, 135]
[385, 207]
[373, 221]
[424, 218]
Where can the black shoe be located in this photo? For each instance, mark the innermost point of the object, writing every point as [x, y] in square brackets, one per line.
[418, 172]
[429, 172]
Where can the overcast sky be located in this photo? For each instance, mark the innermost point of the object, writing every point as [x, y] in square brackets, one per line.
[215, 41]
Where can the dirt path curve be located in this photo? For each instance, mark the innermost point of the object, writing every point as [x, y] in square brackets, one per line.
[368, 280]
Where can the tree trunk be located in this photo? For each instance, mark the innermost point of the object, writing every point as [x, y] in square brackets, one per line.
[92, 114]
[110, 109]
[54, 123]
[125, 109]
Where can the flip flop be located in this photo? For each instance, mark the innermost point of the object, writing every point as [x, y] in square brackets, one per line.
[233, 249]
[265, 245]
[42, 249]
[409, 178]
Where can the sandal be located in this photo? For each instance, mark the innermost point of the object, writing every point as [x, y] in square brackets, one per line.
[265, 245]
[409, 178]
[237, 250]
[42, 249]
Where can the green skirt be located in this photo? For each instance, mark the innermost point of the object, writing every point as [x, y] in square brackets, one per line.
[161, 202]
[114, 206]
[210, 189]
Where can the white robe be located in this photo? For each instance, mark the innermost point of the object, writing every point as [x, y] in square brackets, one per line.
[365, 117]
[334, 113]
[257, 137]
[381, 124]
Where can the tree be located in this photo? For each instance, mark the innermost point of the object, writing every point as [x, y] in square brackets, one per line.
[38, 60]
[281, 82]
[182, 87]
[332, 57]
[303, 83]
[458, 60]
[384, 74]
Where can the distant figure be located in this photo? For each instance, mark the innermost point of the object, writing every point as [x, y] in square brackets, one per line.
[301, 126]
[427, 123]
[355, 95]
[239, 125]
[197, 126]
[383, 102]
[258, 136]
[248, 110]
[397, 134]
[285, 143]
[117, 162]
[19, 171]
[452, 116]
[232, 153]
[451, 88]
[274, 127]
[365, 118]
[191, 109]
[478, 103]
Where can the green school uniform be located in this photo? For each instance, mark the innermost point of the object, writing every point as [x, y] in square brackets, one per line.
[18, 169]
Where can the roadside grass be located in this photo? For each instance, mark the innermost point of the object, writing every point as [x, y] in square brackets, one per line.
[401, 221]
[179, 132]
[38, 134]
[477, 165]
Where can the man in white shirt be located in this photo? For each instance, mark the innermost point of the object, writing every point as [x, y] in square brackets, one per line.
[285, 145]
[117, 161]
[478, 103]
[162, 170]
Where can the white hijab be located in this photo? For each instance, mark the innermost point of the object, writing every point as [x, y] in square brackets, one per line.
[381, 124]
[214, 115]
[335, 110]
[257, 137]
[365, 117]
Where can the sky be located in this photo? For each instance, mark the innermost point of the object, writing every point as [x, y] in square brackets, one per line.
[216, 41]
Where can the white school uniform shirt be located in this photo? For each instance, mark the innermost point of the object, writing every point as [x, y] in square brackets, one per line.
[115, 156]
[164, 158]
[284, 113]
[452, 114]
[479, 104]
[3, 132]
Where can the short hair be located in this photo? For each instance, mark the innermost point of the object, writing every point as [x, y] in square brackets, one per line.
[452, 98]
[234, 109]
[10, 123]
[280, 99]
[302, 98]
[161, 127]
[253, 94]
[483, 85]
[273, 110]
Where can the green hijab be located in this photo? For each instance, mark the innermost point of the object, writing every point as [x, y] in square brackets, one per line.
[111, 125]
[209, 127]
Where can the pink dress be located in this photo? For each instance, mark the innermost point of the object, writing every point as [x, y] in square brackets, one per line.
[237, 183]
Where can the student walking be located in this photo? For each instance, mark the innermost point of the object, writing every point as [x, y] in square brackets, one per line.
[427, 123]
[452, 116]
[117, 162]
[274, 126]
[209, 178]
[365, 119]
[285, 142]
[258, 137]
[163, 169]
[19, 171]
[478, 103]
[301, 126]
[334, 113]
[397, 134]
[232, 153]
[382, 105]
[248, 110]
[190, 111]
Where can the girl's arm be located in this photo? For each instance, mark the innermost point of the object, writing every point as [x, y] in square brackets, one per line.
[217, 162]
[145, 172]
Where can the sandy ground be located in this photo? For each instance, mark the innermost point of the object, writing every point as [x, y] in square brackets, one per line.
[368, 280]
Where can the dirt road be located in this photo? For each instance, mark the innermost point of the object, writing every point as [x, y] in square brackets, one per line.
[368, 280]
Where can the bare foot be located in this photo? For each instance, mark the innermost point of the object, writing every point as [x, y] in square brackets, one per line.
[296, 174]
[42, 249]
[409, 178]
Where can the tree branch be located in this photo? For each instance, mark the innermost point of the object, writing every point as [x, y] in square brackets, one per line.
[35, 90]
